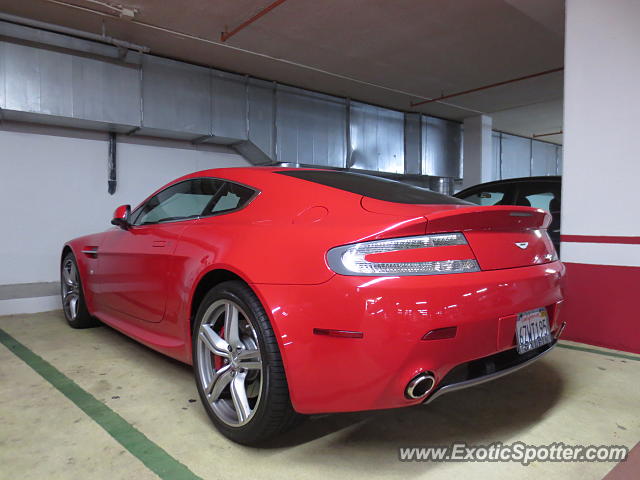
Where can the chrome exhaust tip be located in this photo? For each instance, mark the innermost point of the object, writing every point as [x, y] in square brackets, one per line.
[420, 386]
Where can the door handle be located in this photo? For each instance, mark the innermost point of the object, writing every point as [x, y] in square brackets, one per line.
[159, 243]
[91, 252]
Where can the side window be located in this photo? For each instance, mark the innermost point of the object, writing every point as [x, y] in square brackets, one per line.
[545, 195]
[539, 200]
[230, 197]
[191, 199]
[181, 201]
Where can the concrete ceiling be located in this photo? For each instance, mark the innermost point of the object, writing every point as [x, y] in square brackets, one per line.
[386, 53]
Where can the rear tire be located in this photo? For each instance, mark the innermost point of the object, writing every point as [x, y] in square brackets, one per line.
[73, 302]
[238, 368]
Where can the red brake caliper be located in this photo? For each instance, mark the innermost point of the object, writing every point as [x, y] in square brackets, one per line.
[218, 361]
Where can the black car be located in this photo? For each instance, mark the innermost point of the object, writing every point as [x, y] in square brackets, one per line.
[537, 192]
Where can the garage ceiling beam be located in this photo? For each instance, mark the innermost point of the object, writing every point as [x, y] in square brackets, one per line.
[226, 35]
[486, 87]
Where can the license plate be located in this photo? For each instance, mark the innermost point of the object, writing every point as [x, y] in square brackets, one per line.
[532, 330]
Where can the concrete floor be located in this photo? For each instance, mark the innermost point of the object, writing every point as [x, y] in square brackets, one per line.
[571, 396]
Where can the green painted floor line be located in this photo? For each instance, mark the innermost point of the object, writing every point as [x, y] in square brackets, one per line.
[600, 352]
[148, 452]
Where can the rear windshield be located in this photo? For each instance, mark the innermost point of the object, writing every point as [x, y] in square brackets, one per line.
[374, 187]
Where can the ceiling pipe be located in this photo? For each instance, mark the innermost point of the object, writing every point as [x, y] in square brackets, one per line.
[73, 32]
[126, 13]
[112, 179]
[547, 134]
[224, 36]
[485, 87]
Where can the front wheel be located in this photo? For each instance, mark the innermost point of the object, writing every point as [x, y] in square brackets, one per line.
[73, 303]
[237, 366]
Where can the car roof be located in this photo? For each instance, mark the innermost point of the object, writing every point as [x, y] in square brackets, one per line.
[256, 176]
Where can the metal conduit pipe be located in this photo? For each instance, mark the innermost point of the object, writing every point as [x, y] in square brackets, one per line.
[226, 35]
[486, 87]
[72, 31]
[112, 181]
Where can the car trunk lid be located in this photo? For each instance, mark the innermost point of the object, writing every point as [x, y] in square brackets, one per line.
[500, 236]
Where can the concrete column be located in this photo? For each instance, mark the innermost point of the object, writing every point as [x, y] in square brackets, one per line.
[478, 166]
[601, 172]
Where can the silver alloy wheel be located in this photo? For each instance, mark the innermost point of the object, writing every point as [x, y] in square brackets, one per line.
[70, 289]
[229, 363]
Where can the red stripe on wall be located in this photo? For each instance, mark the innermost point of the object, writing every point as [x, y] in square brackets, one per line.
[599, 239]
[602, 307]
[628, 469]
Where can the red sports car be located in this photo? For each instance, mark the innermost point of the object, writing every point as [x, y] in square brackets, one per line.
[300, 291]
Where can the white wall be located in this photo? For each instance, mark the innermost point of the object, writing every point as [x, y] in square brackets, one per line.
[601, 129]
[53, 187]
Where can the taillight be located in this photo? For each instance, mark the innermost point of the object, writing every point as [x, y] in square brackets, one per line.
[424, 255]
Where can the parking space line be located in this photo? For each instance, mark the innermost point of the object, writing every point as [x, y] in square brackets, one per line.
[149, 453]
[600, 352]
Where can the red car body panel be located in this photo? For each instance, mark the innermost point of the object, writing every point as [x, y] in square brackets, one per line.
[142, 282]
[394, 313]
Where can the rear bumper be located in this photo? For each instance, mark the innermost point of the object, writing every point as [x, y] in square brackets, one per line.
[470, 374]
[328, 374]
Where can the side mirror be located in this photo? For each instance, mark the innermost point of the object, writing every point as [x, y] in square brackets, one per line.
[121, 216]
